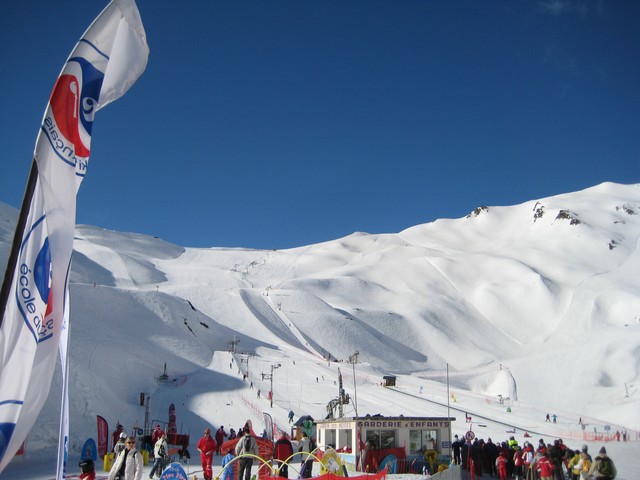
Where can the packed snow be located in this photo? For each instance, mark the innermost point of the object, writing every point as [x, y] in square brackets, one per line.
[538, 303]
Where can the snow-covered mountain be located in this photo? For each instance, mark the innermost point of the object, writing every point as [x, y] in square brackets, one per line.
[538, 302]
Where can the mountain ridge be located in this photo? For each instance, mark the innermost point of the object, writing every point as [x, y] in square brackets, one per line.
[507, 287]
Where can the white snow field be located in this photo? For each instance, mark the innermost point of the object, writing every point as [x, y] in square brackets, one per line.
[538, 303]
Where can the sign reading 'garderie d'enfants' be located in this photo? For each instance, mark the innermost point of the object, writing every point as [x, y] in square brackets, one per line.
[402, 423]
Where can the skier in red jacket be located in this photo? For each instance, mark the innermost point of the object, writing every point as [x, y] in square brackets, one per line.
[501, 464]
[207, 447]
[283, 450]
[545, 467]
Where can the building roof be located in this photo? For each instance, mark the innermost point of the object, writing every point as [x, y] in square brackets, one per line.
[302, 419]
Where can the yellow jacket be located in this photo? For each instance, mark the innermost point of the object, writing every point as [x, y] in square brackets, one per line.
[573, 464]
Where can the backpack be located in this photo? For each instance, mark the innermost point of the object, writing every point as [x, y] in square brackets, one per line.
[604, 467]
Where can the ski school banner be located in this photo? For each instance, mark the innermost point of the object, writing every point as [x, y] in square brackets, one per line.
[107, 60]
[89, 450]
[174, 472]
[103, 436]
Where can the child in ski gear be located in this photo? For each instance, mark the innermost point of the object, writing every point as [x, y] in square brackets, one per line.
[118, 434]
[88, 469]
[120, 446]
[227, 466]
[184, 454]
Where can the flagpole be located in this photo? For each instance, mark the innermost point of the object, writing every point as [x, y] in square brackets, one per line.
[63, 437]
[17, 238]
[448, 410]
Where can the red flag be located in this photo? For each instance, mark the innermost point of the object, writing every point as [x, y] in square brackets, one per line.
[103, 435]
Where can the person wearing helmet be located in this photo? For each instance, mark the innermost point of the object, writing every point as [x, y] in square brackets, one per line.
[120, 446]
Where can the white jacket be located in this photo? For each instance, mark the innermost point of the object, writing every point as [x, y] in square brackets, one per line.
[133, 467]
[305, 446]
[156, 448]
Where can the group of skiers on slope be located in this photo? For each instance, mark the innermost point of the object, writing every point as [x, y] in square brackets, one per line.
[546, 462]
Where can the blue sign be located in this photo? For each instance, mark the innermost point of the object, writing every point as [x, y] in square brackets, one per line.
[89, 450]
[174, 472]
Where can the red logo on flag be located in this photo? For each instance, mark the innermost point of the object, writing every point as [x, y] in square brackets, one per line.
[65, 105]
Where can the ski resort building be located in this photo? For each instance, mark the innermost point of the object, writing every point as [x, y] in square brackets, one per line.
[405, 439]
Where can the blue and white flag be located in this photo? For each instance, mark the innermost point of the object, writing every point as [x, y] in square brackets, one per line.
[107, 60]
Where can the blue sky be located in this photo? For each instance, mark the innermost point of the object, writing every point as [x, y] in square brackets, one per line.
[276, 124]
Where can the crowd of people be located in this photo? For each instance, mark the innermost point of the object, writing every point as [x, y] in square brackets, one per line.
[546, 461]
[503, 460]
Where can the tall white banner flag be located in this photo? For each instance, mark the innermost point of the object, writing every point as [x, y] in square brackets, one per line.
[107, 60]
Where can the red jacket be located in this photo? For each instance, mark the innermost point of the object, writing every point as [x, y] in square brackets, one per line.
[220, 434]
[282, 449]
[156, 434]
[517, 458]
[207, 446]
[545, 467]
[501, 463]
[527, 453]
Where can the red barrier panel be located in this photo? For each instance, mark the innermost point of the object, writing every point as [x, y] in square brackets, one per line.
[373, 476]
